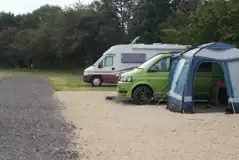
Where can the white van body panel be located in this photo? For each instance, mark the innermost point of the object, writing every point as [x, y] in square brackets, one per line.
[110, 74]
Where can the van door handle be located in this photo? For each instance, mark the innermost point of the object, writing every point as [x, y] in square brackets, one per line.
[113, 68]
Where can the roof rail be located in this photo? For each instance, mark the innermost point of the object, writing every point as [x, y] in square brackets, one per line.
[160, 46]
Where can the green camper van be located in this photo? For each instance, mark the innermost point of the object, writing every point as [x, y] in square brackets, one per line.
[151, 79]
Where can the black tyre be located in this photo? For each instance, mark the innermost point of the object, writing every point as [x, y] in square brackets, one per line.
[96, 81]
[142, 95]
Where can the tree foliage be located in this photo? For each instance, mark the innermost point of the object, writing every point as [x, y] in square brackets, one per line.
[74, 37]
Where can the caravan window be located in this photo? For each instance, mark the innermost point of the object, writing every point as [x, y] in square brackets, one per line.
[133, 57]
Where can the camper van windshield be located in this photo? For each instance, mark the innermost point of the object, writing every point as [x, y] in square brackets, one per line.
[146, 64]
[102, 57]
[99, 60]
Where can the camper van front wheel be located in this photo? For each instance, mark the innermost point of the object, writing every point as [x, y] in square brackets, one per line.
[96, 81]
[142, 95]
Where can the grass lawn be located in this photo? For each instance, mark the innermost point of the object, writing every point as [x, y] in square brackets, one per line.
[59, 80]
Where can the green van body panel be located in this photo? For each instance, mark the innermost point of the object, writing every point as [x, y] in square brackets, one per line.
[158, 81]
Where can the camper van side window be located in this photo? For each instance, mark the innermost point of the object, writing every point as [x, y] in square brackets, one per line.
[162, 66]
[133, 57]
[108, 61]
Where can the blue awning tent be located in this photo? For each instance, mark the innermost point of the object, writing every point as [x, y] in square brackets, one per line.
[183, 70]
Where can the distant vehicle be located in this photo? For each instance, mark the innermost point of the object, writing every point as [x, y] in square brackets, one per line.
[151, 80]
[124, 57]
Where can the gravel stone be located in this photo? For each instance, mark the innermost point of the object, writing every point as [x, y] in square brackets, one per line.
[30, 125]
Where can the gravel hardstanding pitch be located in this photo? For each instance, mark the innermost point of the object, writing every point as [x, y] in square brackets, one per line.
[116, 131]
[30, 125]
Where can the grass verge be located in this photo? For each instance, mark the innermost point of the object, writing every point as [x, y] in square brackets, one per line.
[59, 80]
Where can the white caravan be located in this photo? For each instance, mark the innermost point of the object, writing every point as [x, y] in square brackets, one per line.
[120, 58]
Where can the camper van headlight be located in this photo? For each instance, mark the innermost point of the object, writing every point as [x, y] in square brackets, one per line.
[85, 73]
[129, 79]
[126, 79]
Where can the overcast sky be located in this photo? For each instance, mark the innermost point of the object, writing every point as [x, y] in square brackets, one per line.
[24, 6]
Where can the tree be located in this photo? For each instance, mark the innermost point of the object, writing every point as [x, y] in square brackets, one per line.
[147, 15]
[6, 39]
[216, 21]
[74, 37]
[8, 20]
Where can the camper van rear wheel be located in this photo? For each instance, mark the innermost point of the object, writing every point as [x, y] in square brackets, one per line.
[96, 81]
[142, 95]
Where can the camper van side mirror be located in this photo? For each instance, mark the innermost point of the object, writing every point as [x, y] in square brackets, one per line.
[100, 65]
[154, 69]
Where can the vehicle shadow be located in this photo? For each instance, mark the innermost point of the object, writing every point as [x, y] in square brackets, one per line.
[130, 102]
[199, 107]
[109, 85]
[205, 108]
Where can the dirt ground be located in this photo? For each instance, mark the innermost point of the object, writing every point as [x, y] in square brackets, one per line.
[113, 131]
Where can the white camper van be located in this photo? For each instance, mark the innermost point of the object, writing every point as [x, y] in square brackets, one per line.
[120, 58]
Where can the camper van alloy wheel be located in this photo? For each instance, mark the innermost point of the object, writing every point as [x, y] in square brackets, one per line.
[96, 81]
[142, 95]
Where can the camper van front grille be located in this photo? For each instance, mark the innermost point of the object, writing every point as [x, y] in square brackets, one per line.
[123, 92]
